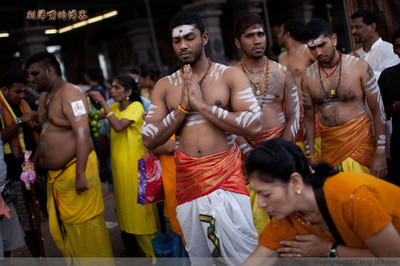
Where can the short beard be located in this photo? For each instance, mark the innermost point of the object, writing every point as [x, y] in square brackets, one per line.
[197, 55]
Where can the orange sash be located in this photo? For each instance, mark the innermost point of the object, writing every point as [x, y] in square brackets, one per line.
[196, 177]
[267, 134]
[353, 139]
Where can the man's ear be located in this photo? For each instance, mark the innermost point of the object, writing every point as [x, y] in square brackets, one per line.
[204, 38]
[237, 43]
[373, 26]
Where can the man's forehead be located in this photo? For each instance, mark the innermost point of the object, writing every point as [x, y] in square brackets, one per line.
[34, 67]
[182, 30]
[254, 29]
[315, 42]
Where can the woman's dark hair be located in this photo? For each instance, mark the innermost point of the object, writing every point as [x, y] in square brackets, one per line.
[129, 84]
[278, 159]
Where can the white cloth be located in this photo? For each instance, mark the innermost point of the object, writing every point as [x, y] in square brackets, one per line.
[380, 57]
[11, 232]
[225, 215]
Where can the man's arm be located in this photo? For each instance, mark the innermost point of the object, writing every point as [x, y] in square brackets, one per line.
[261, 256]
[246, 116]
[309, 123]
[160, 124]
[292, 108]
[375, 104]
[11, 130]
[80, 125]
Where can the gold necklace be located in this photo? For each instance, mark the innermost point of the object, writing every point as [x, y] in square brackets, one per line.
[257, 83]
[307, 219]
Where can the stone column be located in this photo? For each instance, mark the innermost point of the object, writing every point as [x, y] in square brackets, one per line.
[242, 7]
[210, 14]
[31, 39]
[139, 34]
[302, 11]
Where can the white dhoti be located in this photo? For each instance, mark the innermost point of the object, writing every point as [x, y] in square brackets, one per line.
[219, 224]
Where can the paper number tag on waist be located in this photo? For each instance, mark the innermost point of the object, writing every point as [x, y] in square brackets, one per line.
[78, 108]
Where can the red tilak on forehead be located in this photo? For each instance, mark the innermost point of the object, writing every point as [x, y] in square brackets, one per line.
[255, 27]
[180, 31]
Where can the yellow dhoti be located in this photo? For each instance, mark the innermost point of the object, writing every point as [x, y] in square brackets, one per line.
[76, 221]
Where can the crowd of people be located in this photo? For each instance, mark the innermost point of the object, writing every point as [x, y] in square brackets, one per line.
[286, 158]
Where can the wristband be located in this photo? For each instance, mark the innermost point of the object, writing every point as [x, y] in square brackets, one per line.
[109, 114]
[183, 109]
[312, 156]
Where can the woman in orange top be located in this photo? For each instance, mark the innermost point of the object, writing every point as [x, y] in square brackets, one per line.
[364, 209]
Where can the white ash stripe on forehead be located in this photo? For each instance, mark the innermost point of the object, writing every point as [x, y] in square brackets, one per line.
[259, 29]
[182, 30]
[315, 42]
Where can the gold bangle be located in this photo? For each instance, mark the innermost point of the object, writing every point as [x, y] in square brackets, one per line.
[109, 114]
[183, 109]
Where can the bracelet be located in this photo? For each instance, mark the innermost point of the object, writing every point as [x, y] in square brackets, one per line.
[183, 109]
[312, 156]
[109, 114]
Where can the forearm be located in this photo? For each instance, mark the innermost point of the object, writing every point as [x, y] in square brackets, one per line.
[241, 123]
[309, 135]
[167, 148]
[244, 145]
[82, 152]
[344, 251]
[9, 132]
[292, 111]
[291, 129]
[380, 135]
[156, 133]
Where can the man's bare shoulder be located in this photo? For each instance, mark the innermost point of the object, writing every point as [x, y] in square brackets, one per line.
[353, 62]
[311, 73]
[283, 58]
[278, 68]
[168, 81]
[69, 90]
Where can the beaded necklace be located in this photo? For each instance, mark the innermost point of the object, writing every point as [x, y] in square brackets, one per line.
[331, 93]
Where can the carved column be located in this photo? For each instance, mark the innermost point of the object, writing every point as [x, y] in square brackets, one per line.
[140, 37]
[210, 14]
[31, 40]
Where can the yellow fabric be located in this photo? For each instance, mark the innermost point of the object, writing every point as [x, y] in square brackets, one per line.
[77, 220]
[317, 147]
[144, 242]
[350, 165]
[126, 149]
[260, 216]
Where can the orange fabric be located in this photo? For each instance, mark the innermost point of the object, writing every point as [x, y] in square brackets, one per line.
[364, 206]
[196, 177]
[7, 118]
[169, 183]
[353, 139]
[267, 134]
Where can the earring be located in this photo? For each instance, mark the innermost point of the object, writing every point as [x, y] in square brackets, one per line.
[127, 97]
[298, 192]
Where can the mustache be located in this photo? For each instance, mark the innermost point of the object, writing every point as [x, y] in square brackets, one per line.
[258, 46]
[184, 52]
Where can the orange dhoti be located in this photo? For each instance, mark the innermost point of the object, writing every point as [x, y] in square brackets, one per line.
[214, 207]
[352, 140]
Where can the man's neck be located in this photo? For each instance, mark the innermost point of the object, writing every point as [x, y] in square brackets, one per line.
[200, 66]
[292, 46]
[56, 84]
[368, 44]
[253, 64]
[333, 62]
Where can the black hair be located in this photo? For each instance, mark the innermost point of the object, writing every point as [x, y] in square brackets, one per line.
[130, 70]
[295, 28]
[315, 27]
[45, 59]
[11, 77]
[242, 23]
[129, 84]
[94, 74]
[278, 159]
[187, 17]
[368, 17]
[396, 35]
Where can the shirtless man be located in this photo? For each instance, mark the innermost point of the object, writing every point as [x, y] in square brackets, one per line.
[272, 84]
[297, 58]
[66, 151]
[204, 103]
[337, 86]
[275, 90]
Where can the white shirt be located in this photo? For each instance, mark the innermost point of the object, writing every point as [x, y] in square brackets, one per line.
[380, 57]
